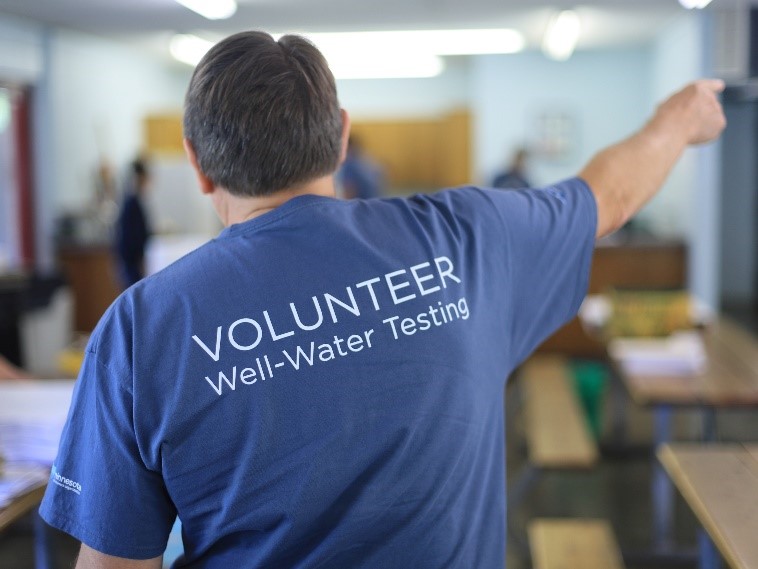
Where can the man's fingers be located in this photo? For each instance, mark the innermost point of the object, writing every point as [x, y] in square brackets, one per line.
[707, 118]
[715, 85]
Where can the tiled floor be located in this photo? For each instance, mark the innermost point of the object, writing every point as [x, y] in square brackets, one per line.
[617, 490]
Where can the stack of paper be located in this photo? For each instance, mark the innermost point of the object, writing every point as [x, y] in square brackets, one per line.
[682, 353]
[32, 415]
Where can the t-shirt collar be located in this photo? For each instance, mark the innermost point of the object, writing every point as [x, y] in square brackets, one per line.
[291, 205]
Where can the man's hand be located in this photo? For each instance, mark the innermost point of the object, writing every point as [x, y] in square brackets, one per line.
[623, 177]
[697, 107]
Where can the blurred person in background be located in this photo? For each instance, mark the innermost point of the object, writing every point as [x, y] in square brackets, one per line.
[514, 177]
[133, 227]
[359, 176]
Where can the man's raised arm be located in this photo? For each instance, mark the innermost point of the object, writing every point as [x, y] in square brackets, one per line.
[625, 176]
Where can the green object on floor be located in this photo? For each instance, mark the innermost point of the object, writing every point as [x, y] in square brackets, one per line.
[590, 379]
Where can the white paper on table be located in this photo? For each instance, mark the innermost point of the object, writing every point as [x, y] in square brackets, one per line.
[32, 416]
[682, 353]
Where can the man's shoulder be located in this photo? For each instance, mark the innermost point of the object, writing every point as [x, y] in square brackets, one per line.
[184, 271]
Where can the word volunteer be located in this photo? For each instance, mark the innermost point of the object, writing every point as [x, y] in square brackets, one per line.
[423, 279]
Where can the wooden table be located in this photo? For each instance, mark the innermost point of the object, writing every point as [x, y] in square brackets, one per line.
[720, 483]
[21, 505]
[729, 381]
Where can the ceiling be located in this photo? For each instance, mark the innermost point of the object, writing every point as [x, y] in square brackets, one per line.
[605, 23]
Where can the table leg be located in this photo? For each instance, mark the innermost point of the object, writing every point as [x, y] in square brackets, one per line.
[516, 494]
[709, 557]
[710, 428]
[43, 551]
[619, 411]
[662, 488]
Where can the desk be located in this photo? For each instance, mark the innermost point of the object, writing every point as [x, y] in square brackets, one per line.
[720, 483]
[730, 380]
[19, 507]
[89, 270]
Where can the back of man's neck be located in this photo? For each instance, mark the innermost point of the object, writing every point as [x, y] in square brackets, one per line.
[237, 209]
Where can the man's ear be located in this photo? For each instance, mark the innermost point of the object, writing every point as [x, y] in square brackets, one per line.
[206, 184]
[345, 134]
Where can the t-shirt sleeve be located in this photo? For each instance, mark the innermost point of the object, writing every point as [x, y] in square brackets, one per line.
[100, 490]
[549, 241]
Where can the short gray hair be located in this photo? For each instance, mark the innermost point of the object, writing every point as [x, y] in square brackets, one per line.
[263, 115]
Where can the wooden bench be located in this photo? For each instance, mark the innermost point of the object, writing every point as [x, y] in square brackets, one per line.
[557, 433]
[573, 544]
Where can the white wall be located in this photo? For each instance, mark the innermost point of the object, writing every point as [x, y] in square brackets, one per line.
[689, 203]
[21, 47]
[677, 60]
[606, 93]
[100, 92]
[90, 95]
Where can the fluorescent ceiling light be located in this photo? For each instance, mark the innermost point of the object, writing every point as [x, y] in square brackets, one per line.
[346, 66]
[189, 49]
[383, 55]
[435, 42]
[562, 35]
[211, 9]
[698, 4]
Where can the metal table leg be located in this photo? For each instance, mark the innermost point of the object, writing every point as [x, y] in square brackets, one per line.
[43, 551]
[618, 428]
[709, 557]
[710, 427]
[516, 494]
[662, 488]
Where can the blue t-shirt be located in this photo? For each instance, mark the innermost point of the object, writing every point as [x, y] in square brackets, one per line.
[322, 386]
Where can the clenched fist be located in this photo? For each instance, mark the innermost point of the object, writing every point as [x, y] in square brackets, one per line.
[697, 111]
